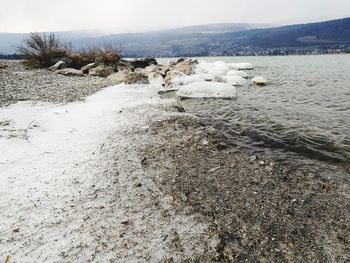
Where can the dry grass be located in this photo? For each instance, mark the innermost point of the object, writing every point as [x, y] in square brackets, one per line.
[104, 52]
[42, 50]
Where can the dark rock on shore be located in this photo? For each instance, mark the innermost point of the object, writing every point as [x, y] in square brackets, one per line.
[143, 63]
[124, 65]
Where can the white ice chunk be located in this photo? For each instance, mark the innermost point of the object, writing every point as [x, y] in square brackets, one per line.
[215, 69]
[207, 90]
[185, 80]
[260, 81]
[234, 80]
[241, 66]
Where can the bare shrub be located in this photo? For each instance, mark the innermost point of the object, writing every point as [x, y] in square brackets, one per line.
[42, 50]
[38, 48]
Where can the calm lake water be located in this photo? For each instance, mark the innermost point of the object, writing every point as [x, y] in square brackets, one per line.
[304, 110]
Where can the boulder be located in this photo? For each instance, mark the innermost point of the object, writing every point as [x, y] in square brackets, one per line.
[185, 67]
[59, 65]
[156, 78]
[54, 60]
[136, 78]
[119, 77]
[124, 65]
[147, 70]
[143, 63]
[128, 78]
[259, 81]
[180, 60]
[101, 71]
[170, 63]
[85, 69]
[207, 90]
[171, 75]
[163, 70]
[160, 69]
[70, 72]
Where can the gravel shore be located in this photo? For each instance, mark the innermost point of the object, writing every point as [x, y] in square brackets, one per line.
[260, 210]
[20, 84]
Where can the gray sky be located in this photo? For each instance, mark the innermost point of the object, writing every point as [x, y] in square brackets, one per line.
[141, 15]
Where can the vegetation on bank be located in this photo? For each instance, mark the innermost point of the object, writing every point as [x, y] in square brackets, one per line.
[44, 50]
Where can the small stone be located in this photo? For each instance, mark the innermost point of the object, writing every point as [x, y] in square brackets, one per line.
[212, 170]
[252, 158]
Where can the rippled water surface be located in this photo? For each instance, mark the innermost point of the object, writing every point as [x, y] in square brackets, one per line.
[304, 110]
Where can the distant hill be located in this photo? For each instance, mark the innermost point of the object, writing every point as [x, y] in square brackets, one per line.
[218, 39]
[329, 32]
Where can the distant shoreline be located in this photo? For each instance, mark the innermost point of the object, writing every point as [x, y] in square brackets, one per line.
[18, 57]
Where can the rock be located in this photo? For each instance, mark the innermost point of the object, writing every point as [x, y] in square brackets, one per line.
[207, 90]
[85, 69]
[101, 71]
[259, 81]
[136, 78]
[160, 69]
[156, 78]
[180, 60]
[171, 75]
[143, 63]
[185, 67]
[70, 72]
[128, 78]
[148, 70]
[163, 70]
[59, 65]
[3, 66]
[54, 60]
[170, 63]
[124, 65]
[119, 77]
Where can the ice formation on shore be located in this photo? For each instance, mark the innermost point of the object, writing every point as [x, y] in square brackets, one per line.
[212, 80]
[207, 90]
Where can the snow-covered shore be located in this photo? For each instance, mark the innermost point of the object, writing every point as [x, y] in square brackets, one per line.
[72, 188]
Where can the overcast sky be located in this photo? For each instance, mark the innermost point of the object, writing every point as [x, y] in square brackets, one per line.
[142, 15]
